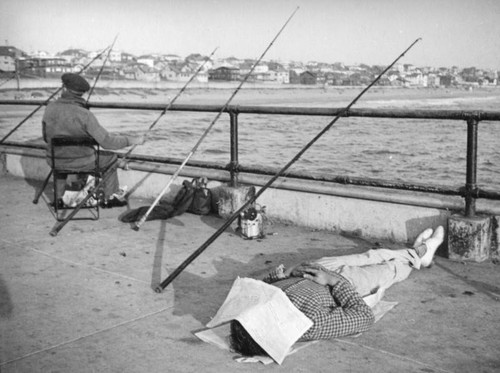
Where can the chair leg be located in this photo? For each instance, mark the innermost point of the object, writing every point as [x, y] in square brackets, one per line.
[40, 192]
[61, 223]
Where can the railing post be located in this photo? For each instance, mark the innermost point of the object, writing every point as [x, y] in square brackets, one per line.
[471, 177]
[233, 165]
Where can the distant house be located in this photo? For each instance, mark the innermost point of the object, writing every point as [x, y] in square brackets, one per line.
[115, 56]
[224, 73]
[146, 60]
[446, 80]
[72, 55]
[137, 71]
[127, 57]
[293, 77]
[7, 63]
[416, 79]
[169, 73]
[45, 67]
[171, 58]
[334, 78]
[230, 61]
[308, 78]
[279, 75]
[8, 56]
[198, 60]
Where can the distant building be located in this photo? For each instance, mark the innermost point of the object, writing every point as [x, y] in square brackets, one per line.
[293, 77]
[146, 60]
[224, 73]
[169, 73]
[171, 58]
[45, 67]
[279, 75]
[446, 80]
[308, 78]
[8, 57]
[72, 55]
[433, 80]
[127, 57]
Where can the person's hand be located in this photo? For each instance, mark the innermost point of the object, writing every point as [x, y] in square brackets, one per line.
[297, 270]
[317, 273]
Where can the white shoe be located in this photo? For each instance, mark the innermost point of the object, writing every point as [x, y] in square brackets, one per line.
[422, 237]
[121, 194]
[432, 244]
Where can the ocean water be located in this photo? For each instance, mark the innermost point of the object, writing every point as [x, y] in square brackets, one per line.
[420, 151]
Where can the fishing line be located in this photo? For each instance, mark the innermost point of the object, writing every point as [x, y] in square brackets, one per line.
[229, 221]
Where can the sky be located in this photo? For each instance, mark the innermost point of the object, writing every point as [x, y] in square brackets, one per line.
[461, 33]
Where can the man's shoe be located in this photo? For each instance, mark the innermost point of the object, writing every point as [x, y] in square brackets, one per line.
[121, 194]
[432, 244]
[113, 202]
[60, 204]
[422, 237]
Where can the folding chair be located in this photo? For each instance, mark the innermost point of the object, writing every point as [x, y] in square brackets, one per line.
[61, 173]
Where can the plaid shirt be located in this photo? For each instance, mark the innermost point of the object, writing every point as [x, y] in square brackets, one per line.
[336, 311]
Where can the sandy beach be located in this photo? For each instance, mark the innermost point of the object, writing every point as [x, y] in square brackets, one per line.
[251, 93]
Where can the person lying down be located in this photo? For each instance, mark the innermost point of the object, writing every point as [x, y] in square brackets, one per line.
[329, 292]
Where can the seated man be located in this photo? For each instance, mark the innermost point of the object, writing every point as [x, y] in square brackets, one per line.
[329, 291]
[68, 116]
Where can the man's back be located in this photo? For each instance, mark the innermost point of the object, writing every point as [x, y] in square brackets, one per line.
[336, 311]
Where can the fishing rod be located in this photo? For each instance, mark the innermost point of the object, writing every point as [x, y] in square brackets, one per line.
[50, 97]
[101, 70]
[91, 191]
[195, 147]
[229, 221]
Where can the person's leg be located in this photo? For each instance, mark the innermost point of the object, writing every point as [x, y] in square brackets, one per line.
[373, 269]
[370, 278]
[111, 185]
[370, 257]
[378, 256]
[380, 268]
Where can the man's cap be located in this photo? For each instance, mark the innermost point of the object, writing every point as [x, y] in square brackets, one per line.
[75, 82]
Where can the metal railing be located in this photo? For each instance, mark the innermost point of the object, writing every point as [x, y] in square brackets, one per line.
[470, 191]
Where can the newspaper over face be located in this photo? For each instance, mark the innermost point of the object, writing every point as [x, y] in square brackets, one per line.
[267, 315]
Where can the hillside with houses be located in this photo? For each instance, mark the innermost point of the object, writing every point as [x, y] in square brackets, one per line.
[170, 67]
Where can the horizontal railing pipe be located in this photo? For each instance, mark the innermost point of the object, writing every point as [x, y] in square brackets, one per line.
[285, 110]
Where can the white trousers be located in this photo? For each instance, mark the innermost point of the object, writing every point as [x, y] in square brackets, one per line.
[375, 269]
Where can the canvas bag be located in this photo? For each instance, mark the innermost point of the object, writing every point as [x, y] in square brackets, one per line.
[202, 197]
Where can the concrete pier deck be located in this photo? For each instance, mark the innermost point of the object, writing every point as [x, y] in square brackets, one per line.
[84, 302]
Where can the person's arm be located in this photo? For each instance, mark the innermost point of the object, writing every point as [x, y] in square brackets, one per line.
[352, 316]
[107, 140]
[275, 275]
